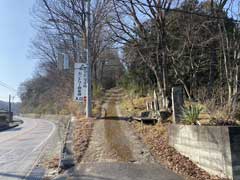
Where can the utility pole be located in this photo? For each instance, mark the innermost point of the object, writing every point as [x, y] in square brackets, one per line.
[9, 109]
[89, 86]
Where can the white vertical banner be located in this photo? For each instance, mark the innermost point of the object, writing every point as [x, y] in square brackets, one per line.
[60, 60]
[80, 82]
[66, 61]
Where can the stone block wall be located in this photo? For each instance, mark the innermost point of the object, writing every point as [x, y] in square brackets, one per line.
[214, 148]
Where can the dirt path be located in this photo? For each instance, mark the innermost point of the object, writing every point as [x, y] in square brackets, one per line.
[112, 139]
[115, 152]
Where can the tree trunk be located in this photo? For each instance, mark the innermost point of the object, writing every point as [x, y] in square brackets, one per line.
[102, 70]
[164, 77]
[235, 88]
[186, 89]
[160, 90]
[212, 72]
[225, 58]
[95, 73]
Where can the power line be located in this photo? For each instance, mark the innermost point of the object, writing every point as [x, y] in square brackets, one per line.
[5, 85]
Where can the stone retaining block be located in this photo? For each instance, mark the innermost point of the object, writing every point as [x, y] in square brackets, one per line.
[216, 149]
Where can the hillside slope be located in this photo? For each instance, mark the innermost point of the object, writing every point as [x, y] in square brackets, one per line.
[15, 106]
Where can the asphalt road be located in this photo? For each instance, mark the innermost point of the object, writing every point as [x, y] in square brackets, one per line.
[21, 147]
[121, 171]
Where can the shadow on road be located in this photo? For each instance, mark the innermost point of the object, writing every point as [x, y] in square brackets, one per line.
[15, 176]
[85, 177]
[116, 118]
[14, 129]
[10, 129]
[89, 177]
[11, 175]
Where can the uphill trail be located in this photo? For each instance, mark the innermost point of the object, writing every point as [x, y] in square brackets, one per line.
[115, 152]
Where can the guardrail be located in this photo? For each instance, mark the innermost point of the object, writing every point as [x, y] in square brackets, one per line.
[6, 116]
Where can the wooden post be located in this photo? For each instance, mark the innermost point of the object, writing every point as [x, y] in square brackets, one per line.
[155, 100]
[147, 105]
[152, 106]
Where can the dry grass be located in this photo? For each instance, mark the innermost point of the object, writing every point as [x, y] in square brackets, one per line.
[81, 137]
[53, 163]
[96, 111]
[156, 138]
[211, 111]
[155, 131]
[73, 108]
[218, 112]
[133, 107]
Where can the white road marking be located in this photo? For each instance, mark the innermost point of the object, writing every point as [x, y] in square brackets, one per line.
[27, 147]
[39, 156]
[46, 139]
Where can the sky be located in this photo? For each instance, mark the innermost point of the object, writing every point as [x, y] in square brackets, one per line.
[16, 32]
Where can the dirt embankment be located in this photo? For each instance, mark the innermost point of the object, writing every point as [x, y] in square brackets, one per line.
[81, 136]
[156, 139]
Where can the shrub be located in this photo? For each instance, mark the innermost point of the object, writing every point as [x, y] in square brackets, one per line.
[73, 107]
[97, 91]
[191, 114]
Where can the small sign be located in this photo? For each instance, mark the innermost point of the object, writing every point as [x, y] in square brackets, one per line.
[66, 61]
[80, 82]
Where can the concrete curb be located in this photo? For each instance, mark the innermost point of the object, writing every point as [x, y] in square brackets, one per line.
[66, 160]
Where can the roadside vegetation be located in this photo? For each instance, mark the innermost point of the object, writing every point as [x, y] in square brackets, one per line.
[81, 137]
[145, 48]
[141, 46]
[191, 114]
[195, 46]
[155, 137]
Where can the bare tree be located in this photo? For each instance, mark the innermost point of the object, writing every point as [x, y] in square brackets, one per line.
[134, 24]
[67, 19]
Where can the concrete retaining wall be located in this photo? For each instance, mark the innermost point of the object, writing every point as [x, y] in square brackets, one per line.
[214, 148]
